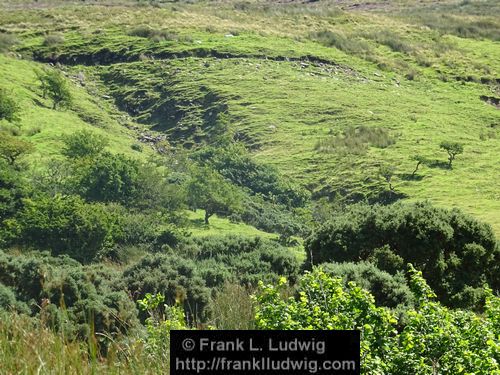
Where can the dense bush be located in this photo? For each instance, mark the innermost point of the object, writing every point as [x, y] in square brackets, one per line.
[456, 253]
[388, 290]
[246, 260]
[186, 275]
[67, 225]
[236, 164]
[433, 340]
[108, 178]
[68, 296]
[8, 106]
[272, 218]
[177, 278]
[83, 143]
[55, 86]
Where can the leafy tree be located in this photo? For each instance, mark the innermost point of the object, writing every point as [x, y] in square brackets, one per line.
[235, 164]
[12, 148]
[108, 178]
[54, 86]
[456, 253]
[211, 192]
[8, 107]
[419, 159]
[12, 190]
[83, 143]
[67, 225]
[453, 149]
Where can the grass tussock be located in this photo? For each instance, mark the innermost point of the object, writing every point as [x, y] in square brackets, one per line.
[356, 140]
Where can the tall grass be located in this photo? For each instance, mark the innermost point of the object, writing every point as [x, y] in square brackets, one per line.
[27, 347]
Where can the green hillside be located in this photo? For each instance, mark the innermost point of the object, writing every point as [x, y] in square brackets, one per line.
[285, 79]
[243, 165]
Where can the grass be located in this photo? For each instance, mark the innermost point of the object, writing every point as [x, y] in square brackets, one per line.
[27, 347]
[287, 77]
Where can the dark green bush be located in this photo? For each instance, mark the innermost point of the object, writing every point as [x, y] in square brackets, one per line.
[9, 302]
[236, 164]
[68, 296]
[456, 253]
[177, 278]
[8, 106]
[388, 290]
[67, 225]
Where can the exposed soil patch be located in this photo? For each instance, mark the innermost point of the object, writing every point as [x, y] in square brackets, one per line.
[491, 100]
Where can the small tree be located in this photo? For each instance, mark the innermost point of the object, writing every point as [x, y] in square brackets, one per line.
[387, 172]
[8, 107]
[83, 143]
[420, 160]
[210, 191]
[12, 148]
[453, 149]
[54, 85]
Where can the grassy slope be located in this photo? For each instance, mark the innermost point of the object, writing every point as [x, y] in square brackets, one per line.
[283, 108]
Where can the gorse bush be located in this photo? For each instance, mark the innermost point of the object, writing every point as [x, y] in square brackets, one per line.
[67, 296]
[434, 339]
[387, 289]
[456, 253]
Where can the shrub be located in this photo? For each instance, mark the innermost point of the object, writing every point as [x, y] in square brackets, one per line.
[174, 277]
[8, 301]
[83, 143]
[67, 225]
[456, 253]
[8, 106]
[12, 148]
[71, 298]
[434, 339]
[235, 164]
[109, 178]
[154, 35]
[55, 86]
[388, 290]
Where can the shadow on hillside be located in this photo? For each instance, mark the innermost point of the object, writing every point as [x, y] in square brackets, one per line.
[410, 177]
[387, 197]
[438, 164]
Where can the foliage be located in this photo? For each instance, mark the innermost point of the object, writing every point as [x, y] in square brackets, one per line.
[453, 149]
[161, 320]
[8, 106]
[67, 225]
[434, 339]
[213, 193]
[176, 278]
[456, 253]
[12, 148]
[236, 164]
[83, 143]
[54, 85]
[388, 290]
[108, 178]
[323, 303]
[76, 300]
